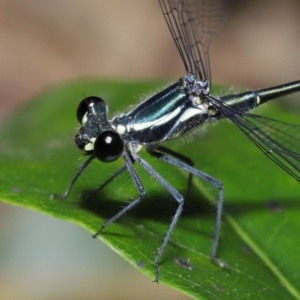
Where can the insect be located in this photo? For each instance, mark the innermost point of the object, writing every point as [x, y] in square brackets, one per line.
[177, 110]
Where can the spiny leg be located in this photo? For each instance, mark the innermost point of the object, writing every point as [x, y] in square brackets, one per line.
[74, 179]
[112, 177]
[105, 183]
[218, 184]
[183, 158]
[176, 195]
[141, 190]
[138, 184]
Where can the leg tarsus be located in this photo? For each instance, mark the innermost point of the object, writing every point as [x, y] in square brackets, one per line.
[221, 263]
[74, 179]
[156, 268]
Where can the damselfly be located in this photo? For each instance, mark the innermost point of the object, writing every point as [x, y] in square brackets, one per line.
[180, 108]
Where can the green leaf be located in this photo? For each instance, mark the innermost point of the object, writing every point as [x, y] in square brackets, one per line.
[259, 242]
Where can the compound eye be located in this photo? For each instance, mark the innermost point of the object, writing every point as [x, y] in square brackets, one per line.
[108, 146]
[83, 106]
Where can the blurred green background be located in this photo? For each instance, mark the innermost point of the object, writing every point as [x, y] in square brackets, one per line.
[46, 42]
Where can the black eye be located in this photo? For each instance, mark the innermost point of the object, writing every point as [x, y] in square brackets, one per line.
[83, 106]
[108, 146]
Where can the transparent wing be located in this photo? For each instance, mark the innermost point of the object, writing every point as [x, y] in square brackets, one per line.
[193, 24]
[280, 141]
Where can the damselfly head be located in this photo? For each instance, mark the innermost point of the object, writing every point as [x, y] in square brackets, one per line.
[96, 136]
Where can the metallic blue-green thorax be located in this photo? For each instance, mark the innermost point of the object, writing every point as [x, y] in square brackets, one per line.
[166, 115]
